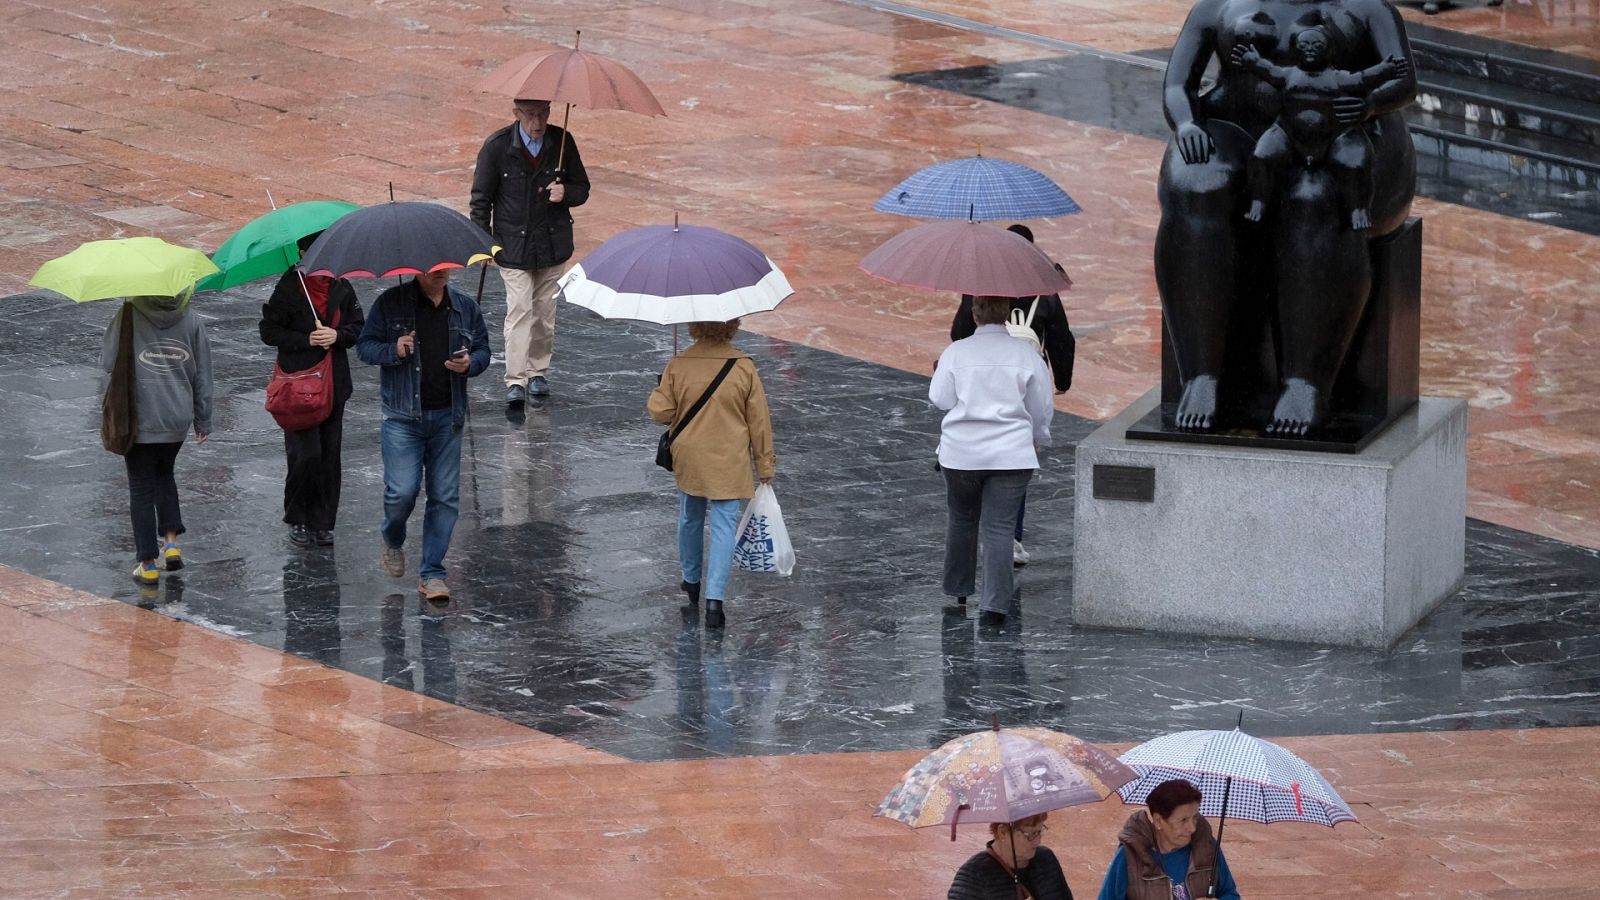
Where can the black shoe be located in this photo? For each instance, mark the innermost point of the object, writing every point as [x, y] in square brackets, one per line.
[693, 590]
[516, 395]
[538, 386]
[991, 619]
[961, 601]
[299, 536]
[323, 538]
[714, 616]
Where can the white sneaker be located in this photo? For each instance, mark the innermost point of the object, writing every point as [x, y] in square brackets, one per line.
[1019, 556]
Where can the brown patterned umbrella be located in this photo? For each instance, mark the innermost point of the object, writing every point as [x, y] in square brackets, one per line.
[1003, 775]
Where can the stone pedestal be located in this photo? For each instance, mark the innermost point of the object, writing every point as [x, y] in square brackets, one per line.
[1324, 548]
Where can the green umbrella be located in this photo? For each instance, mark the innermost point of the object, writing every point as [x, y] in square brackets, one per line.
[267, 245]
[123, 268]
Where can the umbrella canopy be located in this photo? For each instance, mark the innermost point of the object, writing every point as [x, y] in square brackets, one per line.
[678, 273]
[126, 267]
[1238, 775]
[572, 76]
[984, 190]
[398, 238]
[1002, 775]
[966, 258]
[267, 245]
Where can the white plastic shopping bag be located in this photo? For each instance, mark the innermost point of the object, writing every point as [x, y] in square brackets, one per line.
[763, 544]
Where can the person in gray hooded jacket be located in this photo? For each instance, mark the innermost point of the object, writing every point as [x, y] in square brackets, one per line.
[172, 384]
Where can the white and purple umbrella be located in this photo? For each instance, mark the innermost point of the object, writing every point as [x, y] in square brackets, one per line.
[670, 274]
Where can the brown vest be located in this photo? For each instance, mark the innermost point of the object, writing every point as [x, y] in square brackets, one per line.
[1146, 879]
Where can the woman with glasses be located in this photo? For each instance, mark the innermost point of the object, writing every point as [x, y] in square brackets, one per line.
[1014, 864]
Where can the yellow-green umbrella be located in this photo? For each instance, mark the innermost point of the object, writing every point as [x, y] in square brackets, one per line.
[126, 267]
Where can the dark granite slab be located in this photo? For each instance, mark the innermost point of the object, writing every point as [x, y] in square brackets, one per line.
[566, 615]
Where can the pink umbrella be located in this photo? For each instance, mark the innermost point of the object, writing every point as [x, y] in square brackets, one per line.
[574, 78]
[966, 258]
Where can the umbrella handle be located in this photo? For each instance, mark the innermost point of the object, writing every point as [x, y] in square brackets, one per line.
[1222, 823]
[561, 153]
[955, 821]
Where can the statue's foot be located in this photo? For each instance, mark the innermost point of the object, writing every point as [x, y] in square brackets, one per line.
[1299, 409]
[1360, 219]
[1256, 211]
[1197, 408]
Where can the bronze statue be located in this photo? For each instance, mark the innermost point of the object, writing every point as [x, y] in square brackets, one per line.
[1331, 107]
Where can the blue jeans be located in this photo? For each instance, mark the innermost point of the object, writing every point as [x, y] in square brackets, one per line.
[410, 449]
[691, 542]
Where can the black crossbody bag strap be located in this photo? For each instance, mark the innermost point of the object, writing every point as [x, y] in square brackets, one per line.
[712, 389]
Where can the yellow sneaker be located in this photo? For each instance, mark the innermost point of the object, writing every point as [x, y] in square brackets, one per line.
[173, 557]
[146, 573]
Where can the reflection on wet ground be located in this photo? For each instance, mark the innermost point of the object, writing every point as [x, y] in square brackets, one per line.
[566, 615]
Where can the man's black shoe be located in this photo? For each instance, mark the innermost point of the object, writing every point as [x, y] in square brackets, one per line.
[299, 536]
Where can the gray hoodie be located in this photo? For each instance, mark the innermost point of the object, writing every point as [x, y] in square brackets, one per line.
[172, 368]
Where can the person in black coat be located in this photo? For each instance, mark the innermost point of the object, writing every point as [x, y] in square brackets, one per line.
[528, 178]
[1014, 864]
[298, 320]
[1055, 336]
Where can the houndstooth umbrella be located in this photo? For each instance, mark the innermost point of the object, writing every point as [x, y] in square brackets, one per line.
[1237, 774]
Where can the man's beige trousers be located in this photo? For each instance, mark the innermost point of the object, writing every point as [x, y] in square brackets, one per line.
[530, 326]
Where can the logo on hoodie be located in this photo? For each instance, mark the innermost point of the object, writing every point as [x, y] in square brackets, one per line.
[164, 355]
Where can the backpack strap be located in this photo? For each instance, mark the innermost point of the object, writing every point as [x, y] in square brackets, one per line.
[711, 389]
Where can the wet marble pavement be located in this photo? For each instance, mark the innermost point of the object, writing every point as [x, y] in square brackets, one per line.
[565, 616]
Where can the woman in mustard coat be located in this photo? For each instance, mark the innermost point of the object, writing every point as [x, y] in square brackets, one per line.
[711, 457]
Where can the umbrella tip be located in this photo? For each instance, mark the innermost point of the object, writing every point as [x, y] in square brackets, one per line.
[994, 721]
[674, 221]
[577, 37]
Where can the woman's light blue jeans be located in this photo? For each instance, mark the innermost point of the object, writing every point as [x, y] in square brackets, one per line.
[691, 542]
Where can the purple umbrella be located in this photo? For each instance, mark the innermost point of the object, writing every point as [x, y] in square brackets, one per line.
[677, 273]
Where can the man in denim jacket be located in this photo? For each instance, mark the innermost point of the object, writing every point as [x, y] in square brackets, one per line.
[429, 338]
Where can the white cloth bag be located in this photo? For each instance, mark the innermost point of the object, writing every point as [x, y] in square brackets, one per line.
[763, 542]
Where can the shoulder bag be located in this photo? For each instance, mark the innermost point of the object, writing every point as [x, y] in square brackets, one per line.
[303, 399]
[664, 446]
[119, 419]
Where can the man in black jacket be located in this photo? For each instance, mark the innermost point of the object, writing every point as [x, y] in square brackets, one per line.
[528, 178]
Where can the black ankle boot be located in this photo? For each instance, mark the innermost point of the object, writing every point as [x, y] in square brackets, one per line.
[714, 616]
[693, 590]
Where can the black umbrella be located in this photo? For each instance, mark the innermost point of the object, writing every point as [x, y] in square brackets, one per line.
[404, 238]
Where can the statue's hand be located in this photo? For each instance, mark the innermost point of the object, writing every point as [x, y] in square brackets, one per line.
[1244, 55]
[1350, 110]
[1194, 144]
[1399, 67]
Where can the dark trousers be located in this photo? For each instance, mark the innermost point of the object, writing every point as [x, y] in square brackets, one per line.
[982, 507]
[152, 496]
[311, 487]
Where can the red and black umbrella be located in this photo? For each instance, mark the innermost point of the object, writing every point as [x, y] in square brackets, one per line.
[397, 238]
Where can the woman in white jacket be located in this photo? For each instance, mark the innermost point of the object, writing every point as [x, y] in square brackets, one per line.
[997, 393]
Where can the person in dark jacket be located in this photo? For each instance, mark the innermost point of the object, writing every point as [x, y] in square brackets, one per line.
[299, 319]
[528, 178]
[1166, 851]
[428, 339]
[172, 393]
[1014, 864]
[1049, 322]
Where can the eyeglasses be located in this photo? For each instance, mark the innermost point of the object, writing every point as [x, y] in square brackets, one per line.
[1033, 834]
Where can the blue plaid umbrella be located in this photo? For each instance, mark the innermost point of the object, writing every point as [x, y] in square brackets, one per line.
[980, 189]
[1238, 775]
